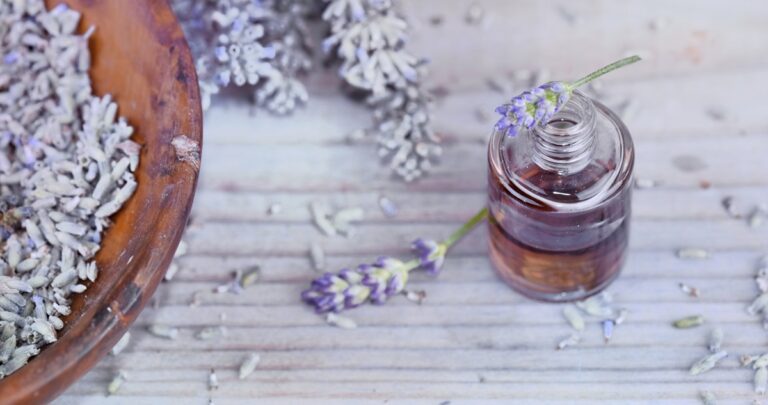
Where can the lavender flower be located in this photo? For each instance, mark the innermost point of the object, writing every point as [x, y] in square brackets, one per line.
[532, 107]
[538, 105]
[378, 282]
[374, 283]
[431, 254]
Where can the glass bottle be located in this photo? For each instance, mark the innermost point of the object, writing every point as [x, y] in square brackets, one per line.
[559, 202]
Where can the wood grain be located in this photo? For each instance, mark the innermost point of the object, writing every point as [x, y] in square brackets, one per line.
[474, 341]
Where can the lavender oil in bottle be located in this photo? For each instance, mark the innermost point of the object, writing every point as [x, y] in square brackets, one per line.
[559, 202]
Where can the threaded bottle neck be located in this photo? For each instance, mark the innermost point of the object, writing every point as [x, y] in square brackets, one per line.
[565, 143]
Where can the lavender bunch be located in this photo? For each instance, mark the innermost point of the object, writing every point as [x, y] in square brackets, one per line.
[377, 282]
[257, 44]
[369, 40]
[538, 105]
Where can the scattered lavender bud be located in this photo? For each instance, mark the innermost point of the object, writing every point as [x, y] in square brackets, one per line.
[163, 331]
[761, 380]
[569, 341]
[121, 344]
[688, 322]
[250, 276]
[340, 321]
[729, 207]
[274, 209]
[248, 366]
[173, 268]
[757, 216]
[645, 183]
[213, 381]
[715, 340]
[475, 14]
[211, 332]
[573, 317]
[116, 382]
[317, 255]
[707, 362]
[608, 325]
[320, 217]
[343, 218]
[693, 254]
[708, 398]
[388, 207]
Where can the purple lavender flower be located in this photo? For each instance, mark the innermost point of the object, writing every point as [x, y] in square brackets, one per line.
[431, 254]
[349, 288]
[532, 107]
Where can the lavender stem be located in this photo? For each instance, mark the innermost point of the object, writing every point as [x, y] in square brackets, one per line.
[468, 226]
[605, 69]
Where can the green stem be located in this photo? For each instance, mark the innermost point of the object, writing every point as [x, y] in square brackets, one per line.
[412, 264]
[605, 69]
[468, 226]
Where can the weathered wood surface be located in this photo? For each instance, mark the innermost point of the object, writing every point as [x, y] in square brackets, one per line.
[700, 93]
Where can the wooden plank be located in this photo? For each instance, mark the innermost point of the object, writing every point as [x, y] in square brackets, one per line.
[377, 239]
[463, 268]
[725, 289]
[659, 106]
[217, 205]
[354, 168]
[715, 37]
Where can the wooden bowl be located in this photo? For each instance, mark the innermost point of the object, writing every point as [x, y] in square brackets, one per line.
[141, 58]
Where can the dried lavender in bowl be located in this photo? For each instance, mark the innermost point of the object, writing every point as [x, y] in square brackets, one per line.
[66, 165]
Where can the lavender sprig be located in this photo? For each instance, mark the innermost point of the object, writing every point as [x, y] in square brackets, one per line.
[383, 279]
[538, 105]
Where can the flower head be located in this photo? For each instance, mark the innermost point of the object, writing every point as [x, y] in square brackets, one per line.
[532, 107]
[350, 288]
[431, 254]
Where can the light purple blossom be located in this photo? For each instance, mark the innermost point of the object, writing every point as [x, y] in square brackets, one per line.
[350, 288]
[532, 107]
[431, 254]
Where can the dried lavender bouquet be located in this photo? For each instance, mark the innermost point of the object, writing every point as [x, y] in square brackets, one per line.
[261, 45]
[376, 283]
[368, 38]
[66, 165]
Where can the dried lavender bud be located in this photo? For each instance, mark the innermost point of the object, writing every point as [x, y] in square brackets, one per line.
[121, 344]
[213, 381]
[708, 398]
[388, 207]
[417, 296]
[693, 254]
[66, 165]
[573, 317]
[608, 325]
[761, 380]
[248, 366]
[116, 382]
[689, 322]
[757, 216]
[340, 321]
[163, 331]
[707, 362]
[569, 341]
[715, 340]
[317, 256]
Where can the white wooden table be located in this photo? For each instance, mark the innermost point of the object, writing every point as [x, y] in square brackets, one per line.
[700, 95]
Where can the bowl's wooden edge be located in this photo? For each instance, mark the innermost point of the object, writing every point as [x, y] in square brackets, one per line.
[102, 316]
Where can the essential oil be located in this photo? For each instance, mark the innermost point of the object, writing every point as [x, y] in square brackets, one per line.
[559, 202]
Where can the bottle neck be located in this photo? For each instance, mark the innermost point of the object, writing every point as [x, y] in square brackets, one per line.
[566, 142]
